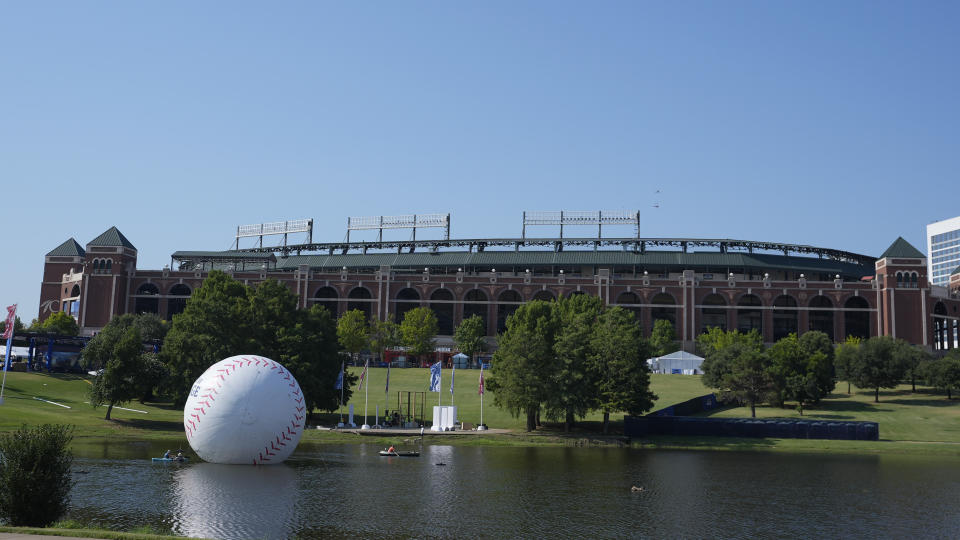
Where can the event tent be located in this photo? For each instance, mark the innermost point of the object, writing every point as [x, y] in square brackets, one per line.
[680, 362]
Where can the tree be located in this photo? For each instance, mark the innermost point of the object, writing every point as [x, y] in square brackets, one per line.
[911, 356]
[35, 480]
[618, 357]
[120, 380]
[822, 369]
[352, 331]
[469, 335]
[800, 368]
[418, 329]
[719, 347]
[878, 365]
[749, 376]
[59, 324]
[845, 359]
[383, 335]
[804, 386]
[524, 361]
[663, 339]
[309, 351]
[943, 373]
[213, 326]
[573, 389]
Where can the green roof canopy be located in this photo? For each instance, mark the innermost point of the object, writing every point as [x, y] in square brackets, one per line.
[111, 237]
[70, 248]
[902, 249]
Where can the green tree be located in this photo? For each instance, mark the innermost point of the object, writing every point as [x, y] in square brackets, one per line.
[719, 348]
[845, 359]
[468, 337]
[618, 357]
[523, 363]
[418, 330]
[35, 480]
[749, 377]
[943, 373]
[309, 351]
[663, 338]
[59, 324]
[214, 326]
[383, 335]
[123, 369]
[822, 369]
[912, 357]
[573, 389]
[352, 329]
[878, 365]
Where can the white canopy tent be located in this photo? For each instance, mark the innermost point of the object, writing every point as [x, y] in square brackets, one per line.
[680, 362]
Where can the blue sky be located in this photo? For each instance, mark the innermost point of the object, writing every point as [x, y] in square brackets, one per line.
[823, 123]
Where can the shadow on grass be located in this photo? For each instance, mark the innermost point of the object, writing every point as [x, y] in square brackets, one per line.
[930, 402]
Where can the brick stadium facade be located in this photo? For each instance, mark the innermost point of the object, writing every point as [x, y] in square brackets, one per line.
[774, 293]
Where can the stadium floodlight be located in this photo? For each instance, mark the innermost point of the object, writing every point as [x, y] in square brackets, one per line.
[598, 218]
[408, 221]
[275, 228]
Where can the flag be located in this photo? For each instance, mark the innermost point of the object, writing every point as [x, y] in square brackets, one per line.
[8, 335]
[363, 375]
[435, 377]
[387, 389]
[11, 318]
[481, 380]
[453, 372]
[339, 383]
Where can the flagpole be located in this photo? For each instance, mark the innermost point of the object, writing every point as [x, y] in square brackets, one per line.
[342, 376]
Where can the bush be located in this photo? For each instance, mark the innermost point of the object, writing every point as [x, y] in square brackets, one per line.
[35, 477]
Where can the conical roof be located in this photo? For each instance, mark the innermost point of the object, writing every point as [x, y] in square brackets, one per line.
[902, 249]
[70, 248]
[111, 237]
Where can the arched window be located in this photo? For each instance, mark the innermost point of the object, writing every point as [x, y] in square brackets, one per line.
[475, 303]
[749, 314]
[786, 318]
[665, 308]
[631, 302]
[328, 298]
[507, 303]
[407, 299]
[544, 295]
[913, 280]
[714, 316]
[109, 266]
[441, 302]
[899, 279]
[75, 291]
[151, 304]
[178, 301]
[360, 298]
[821, 315]
[857, 323]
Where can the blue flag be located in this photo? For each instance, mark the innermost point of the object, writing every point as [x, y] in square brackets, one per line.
[435, 377]
[339, 383]
[452, 373]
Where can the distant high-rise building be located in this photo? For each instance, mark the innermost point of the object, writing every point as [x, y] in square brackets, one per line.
[943, 250]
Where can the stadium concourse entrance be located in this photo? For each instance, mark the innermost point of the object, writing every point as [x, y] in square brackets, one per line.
[48, 352]
[409, 411]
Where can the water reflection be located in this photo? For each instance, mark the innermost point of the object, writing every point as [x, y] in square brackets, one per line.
[221, 501]
[350, 491]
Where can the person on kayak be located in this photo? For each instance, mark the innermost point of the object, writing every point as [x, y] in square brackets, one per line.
[392, 450]
[166, 455]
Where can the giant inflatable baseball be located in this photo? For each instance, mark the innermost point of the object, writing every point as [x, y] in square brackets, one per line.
[245, 409]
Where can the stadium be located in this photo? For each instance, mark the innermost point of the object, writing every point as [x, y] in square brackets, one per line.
[775, 288]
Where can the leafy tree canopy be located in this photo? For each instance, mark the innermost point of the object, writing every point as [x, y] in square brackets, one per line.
[618, 357]
[663, 338]
[469, 335]
[418, 330]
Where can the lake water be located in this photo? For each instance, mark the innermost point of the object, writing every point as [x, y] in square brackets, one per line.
[350, 491]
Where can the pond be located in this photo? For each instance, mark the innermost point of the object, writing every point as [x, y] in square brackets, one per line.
[350, 491]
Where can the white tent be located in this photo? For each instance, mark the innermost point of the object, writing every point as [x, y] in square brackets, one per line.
[461, 360]
[680, 362]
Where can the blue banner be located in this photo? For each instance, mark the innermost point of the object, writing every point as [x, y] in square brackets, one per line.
[435, 377]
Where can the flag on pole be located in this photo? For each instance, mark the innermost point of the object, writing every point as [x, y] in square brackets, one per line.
[364, 374]
[339, 384]
[435, 377]
[386, 390]
[481, 380]
[8, 334]
[453, 372]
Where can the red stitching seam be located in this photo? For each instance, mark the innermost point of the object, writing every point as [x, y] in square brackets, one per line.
[211, 390]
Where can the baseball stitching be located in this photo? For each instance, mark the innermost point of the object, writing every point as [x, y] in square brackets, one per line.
[191, 422]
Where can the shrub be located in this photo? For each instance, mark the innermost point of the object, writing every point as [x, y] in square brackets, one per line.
[35, 477]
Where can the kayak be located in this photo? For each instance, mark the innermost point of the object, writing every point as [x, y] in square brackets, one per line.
[168, 459]
[411, 453]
